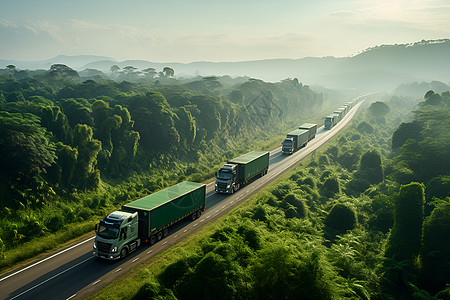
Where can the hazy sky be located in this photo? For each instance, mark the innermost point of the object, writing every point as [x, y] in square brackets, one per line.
[198, 30]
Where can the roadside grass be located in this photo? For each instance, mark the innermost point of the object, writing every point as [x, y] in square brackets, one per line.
[44, 245]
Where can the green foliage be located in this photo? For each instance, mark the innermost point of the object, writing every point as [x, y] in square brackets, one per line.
[330, 187]
[405, 238]
[364, 127]
[379, 110]
[342, 217]
[429, 155]
[435, 251]
[404, 132]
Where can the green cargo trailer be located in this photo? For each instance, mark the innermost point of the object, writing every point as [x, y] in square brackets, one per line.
[148, 219]
[161, 209]
[251, 164]
[240, 170]
[312, 129]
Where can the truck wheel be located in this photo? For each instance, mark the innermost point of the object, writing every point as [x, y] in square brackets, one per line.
[123, 253]
[238, 186]
[152, 240]
[194, 216]
[199, 213]
[166, 232]
[159, 236]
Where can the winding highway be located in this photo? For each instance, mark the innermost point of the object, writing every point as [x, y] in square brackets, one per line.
[73, 273]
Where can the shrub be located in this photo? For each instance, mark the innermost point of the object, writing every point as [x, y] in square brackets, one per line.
[55, 223]
[364, 127]
[299, 207]
[251, 236]
[310, 181]
[331, 187]
[173, 273]
[435, 252]
[259, 213]
[342, 217]
[85, 213]
[405, 239]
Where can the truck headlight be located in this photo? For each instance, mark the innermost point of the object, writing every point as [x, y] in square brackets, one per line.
[215, 184]
[114, 250]
[95, 245]
[228, 186]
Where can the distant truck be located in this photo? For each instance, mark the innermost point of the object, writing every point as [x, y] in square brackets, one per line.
[148, 219]
[294, 141]
[340, 113]
[331, 121]
[312, 129]
[238, 171]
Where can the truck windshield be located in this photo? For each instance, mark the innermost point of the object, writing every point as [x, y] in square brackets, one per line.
[224, 174]
[287, 143]
[107, 231]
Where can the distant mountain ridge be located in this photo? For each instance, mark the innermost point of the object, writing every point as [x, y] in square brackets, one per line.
[385, 66]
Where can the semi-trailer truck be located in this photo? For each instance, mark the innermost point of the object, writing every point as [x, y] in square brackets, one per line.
[147, 219]
[331, 121]
[238, 171]
[312, 129]
[294, 141]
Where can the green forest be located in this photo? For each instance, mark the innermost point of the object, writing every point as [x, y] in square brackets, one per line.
[73, 148]
[368, 217]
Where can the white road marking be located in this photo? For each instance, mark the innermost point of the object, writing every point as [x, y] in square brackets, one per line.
[217, 210]
[231, 202]
[149, 252]
[201, 221]
[195, 225]
[56, 254]
[135, 259]
[118, 270]
[32, 288]
[164, 243]
[185, 230]
[96, 282]
[175, 237]
[208, 217]
[71, 296]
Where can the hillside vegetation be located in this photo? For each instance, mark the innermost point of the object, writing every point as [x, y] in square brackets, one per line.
[73, 149]
[360, 220]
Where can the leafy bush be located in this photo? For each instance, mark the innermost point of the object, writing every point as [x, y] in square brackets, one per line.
[331, 187]
[342, 217]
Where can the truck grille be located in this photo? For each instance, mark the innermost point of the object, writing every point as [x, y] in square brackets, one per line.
[222, 186]
[103, 247]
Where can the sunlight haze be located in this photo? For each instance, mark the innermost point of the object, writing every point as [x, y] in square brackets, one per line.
[186, 31]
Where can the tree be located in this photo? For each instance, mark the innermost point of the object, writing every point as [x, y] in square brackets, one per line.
[432, 98]
[404, 132]
[25, 149]
[405, 239]
[168, 72]
[62, 72]
[435, 252]
[149, 72]
[114, 68]
[129, 70]
[379, 110]
[11, 68]
[342, 217]
[370, 167]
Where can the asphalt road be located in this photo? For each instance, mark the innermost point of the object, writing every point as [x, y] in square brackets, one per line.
[73, 273]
